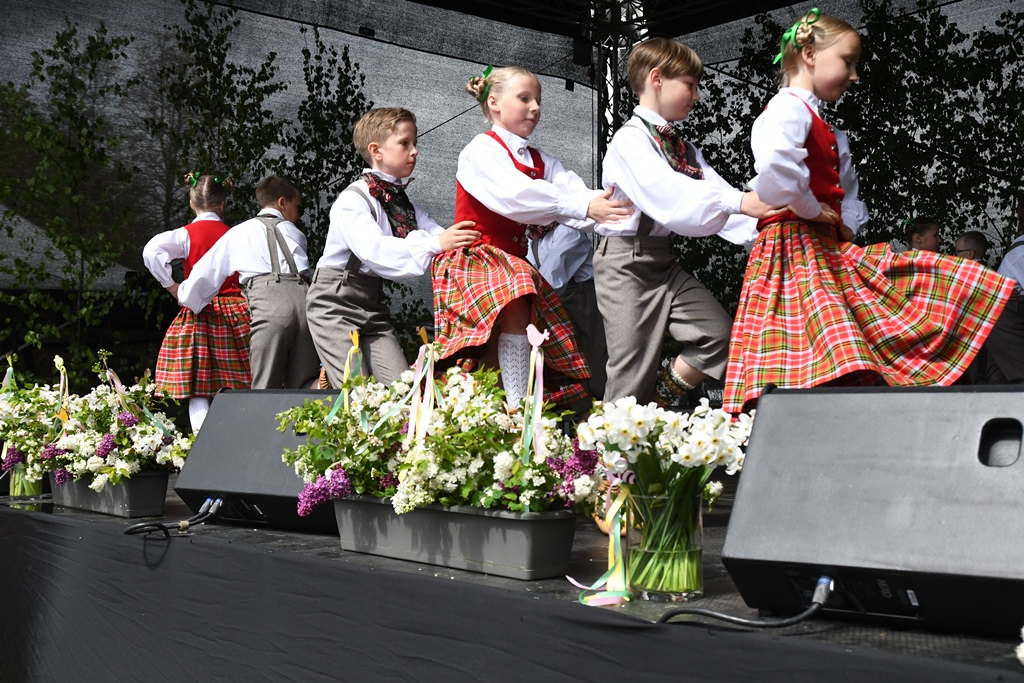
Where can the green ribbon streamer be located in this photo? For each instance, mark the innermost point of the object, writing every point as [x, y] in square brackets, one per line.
[790, 34]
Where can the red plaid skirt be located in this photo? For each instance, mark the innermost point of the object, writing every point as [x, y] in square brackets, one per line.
[814, 310]
[472, 286]
[206, 351]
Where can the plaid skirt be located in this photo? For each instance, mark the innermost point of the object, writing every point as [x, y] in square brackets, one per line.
[206, 351]
[814, 310]
[472, 286]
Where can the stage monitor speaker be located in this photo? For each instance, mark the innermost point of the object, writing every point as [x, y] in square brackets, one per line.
[911, 499]
[237, 456]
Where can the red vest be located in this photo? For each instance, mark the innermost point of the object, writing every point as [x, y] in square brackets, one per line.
[498, 231]
[202, 235]
[823, 163]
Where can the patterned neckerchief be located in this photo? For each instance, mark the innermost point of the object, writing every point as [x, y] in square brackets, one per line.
[671, 141]
[397, 206]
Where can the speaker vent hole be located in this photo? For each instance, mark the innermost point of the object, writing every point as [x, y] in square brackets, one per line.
[1000, 442]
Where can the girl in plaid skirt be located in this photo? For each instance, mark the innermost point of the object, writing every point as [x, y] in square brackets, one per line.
[206, 351]
[816, 309]
[487, 294]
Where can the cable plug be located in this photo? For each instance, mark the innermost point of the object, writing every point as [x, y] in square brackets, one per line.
[822, 590]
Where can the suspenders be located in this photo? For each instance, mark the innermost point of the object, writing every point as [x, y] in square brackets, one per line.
[275, 239]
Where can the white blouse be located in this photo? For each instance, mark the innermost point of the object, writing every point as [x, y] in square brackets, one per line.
[636, 169]
[353, 230]
[563, 255]
[486, 172]
[243, 249]
[167, 246]
[778, 141]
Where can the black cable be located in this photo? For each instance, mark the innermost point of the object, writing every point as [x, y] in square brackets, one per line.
[207, 511]
[821, 593]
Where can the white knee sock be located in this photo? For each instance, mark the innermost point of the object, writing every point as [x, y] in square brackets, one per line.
[514, 361]
[198, 406]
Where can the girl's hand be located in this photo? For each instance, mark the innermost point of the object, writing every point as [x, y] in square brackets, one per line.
[459, 235]
[173, 289]
[827, 215]
[605, 210]
[751, 205]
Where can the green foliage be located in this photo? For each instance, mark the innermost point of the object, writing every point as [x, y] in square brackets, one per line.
[323, 159]
[221, 122]
[72, 191]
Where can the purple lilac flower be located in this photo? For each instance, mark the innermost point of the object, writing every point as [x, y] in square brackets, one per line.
[128, 419]
[14, 456]
[51, 451]
[388, 480]
[106, 445]
[167, 440]
[61, 476]
[324, 489]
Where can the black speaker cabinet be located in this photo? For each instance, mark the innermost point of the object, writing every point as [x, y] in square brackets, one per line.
[911, 499]
[237, 456]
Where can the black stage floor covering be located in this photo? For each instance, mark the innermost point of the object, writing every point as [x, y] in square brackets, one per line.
[84, 602]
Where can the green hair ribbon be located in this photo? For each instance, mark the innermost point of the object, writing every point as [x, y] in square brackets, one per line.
[487, 86]
[790, 34]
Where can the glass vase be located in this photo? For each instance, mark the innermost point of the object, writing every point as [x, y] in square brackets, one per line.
[21, 487]
[664, 547]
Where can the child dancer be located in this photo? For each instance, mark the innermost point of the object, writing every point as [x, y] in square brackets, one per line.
[376, 233]
[489, 293]
[814, 308]
[269, 254]
[206, 351]
[641, 290]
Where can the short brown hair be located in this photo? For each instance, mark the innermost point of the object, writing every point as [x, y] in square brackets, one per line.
[272, 188]
[672, 57]
[375, 126]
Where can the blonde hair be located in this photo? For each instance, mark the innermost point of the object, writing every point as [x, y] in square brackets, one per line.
[672, 57]
[273, 188]
[375, 126]
[821, 33]
[207, 192]
[494, 82]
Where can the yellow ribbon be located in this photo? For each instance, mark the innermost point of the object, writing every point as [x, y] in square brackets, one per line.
[614, 583]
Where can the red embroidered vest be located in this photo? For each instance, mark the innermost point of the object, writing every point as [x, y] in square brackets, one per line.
[823, 163]
[202, 235]
[498, 231]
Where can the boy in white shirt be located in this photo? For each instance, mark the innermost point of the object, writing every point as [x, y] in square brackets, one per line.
[376, 233]
[641, 290]
[269, 254]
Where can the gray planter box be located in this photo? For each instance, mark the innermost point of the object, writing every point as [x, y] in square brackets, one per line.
[517, 545]
[141, 496]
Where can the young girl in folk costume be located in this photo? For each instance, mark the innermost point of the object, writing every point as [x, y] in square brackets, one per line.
[206, 351]
[816, 309]
[486, 295]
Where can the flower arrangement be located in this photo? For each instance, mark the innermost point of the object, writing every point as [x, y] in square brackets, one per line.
[467, 448]
[28, 419]
[109, 434]
[662, 461]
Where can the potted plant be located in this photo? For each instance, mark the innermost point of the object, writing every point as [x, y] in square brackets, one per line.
[457, 486]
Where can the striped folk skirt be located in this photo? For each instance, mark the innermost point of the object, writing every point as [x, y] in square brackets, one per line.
[206, 351]
[472, 286]
[814, 310]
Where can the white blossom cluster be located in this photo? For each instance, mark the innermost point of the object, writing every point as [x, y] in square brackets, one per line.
[622, 430]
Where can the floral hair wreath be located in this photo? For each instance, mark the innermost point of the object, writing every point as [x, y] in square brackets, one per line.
[799, 34]
[487, 86]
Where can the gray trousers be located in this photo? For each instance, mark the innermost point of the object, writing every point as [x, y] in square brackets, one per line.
[281, 352]
[642, 293]
[339, 302]
[580, 301]
[1001, 359]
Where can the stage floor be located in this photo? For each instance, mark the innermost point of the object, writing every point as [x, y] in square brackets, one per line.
[987, 658]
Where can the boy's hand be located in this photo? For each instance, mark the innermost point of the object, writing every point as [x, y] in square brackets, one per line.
[751, 205]
[827, 215]
[605, 210]
[459, 235]
[845, 234]
[173, 289]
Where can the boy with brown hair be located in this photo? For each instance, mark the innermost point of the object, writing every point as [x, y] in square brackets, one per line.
[376, 233]
[269, 254]
[641, 291]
